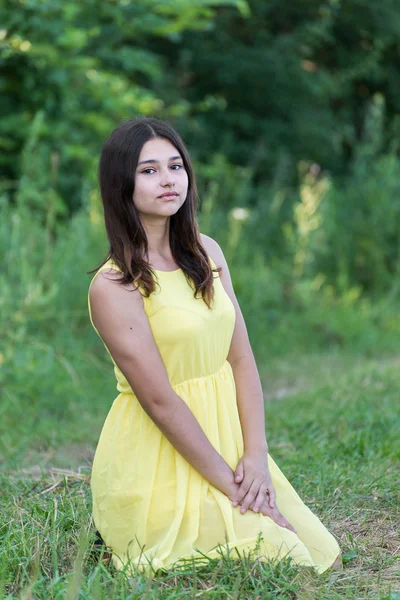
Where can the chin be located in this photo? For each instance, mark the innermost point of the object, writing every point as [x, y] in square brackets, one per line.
[173, 211]
[169, 211]
[171, 207]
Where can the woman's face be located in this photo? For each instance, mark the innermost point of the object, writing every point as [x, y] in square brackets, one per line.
[160, 169]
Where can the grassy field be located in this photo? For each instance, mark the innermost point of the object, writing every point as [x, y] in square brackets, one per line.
[333, 427]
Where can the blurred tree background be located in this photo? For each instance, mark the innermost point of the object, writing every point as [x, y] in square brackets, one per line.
[290, 111]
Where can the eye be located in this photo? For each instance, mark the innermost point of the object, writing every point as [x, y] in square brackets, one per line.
[180, 166]
[147, 170]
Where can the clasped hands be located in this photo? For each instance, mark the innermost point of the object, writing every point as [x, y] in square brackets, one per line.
[256, 491]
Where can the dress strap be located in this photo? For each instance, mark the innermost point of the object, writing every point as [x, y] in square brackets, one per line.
[213, 265]
[109, 264]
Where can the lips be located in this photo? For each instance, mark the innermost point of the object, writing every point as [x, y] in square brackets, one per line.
[168, 195]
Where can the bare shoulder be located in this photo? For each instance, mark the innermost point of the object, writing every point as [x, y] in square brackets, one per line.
[119, 317]
[240, 344]
[214, 250]
[102, 282]
[101, 277]
[105, 292]
[109, 278]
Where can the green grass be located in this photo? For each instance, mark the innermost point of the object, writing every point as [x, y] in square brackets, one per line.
[333, 428]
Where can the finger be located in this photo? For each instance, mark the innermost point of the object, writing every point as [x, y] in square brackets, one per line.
[276, 516]
[242, 490]
[283, 522]
[290, 526]
[260, 498]
[273, 514]
[239, 472]
[265, 510]
[250, 496]
[272, 496]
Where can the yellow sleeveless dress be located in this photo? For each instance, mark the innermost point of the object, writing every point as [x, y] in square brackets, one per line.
[150, 505]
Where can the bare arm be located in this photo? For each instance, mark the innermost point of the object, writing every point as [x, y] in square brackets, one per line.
[250, 403]
[119, 316]
[249, 395]
[252, 471]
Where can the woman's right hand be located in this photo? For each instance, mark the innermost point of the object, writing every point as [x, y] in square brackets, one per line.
[274, 514]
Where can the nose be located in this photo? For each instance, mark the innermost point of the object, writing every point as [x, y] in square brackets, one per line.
[167, 178]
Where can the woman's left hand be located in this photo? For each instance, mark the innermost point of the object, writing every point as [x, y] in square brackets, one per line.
[252, 473]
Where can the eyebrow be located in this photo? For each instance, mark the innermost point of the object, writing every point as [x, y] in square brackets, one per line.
[154, 162]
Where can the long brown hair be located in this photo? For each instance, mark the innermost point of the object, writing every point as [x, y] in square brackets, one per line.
[126, 235]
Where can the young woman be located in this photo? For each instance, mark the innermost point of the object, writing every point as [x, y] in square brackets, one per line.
[182, 464]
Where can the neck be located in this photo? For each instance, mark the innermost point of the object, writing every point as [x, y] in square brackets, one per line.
[157, 232]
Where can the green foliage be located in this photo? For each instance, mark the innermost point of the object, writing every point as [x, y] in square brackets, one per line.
[282, 105]
[83, 67]
[293, 77]
[349, 227]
